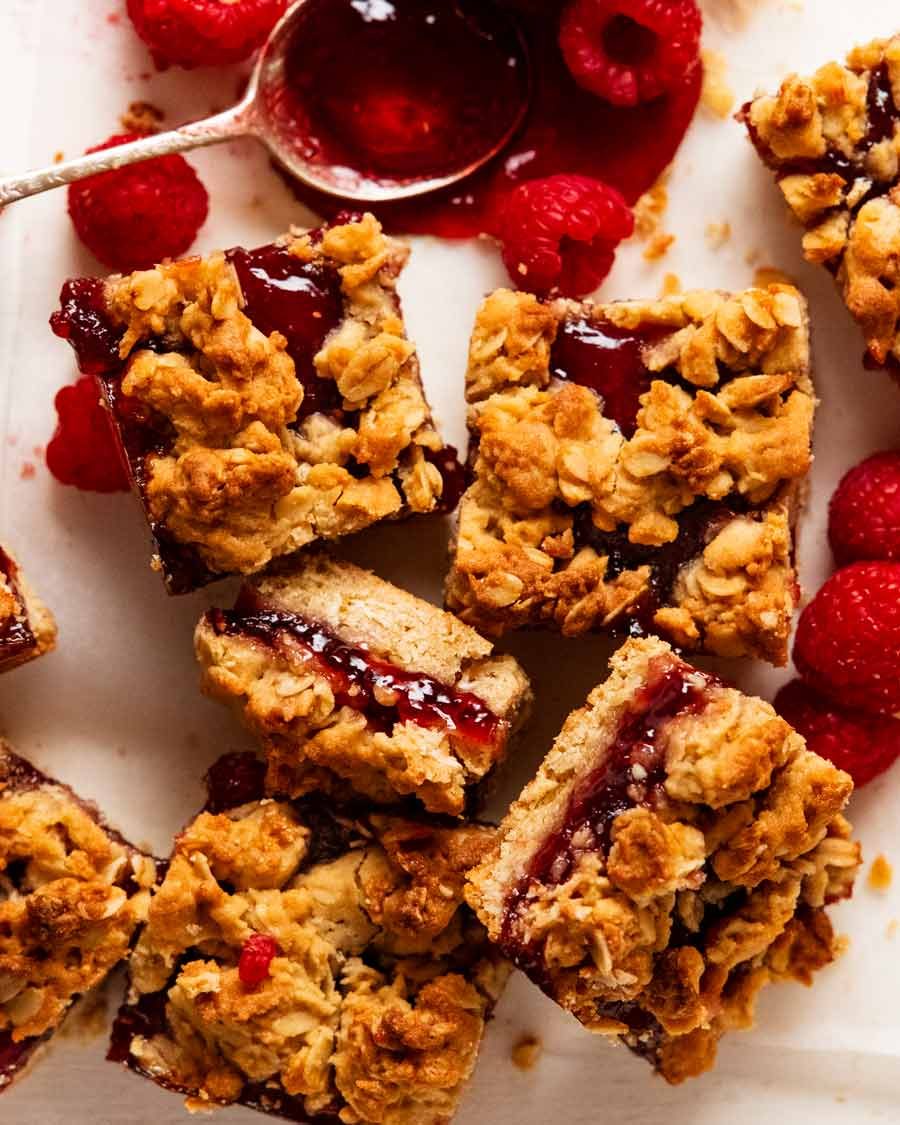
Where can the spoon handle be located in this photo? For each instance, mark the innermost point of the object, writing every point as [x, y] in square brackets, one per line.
[234, 122]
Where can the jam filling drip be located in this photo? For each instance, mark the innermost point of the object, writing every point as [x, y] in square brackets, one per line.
[83, 320]
[882, 116]
[697, 525]
[631, 775]
[385, 693]
[609, 360]
[16, 636]
[301, 300]
[13, 1056]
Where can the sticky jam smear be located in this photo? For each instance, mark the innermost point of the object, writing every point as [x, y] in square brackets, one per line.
[16, 637]
[567, 129]
[631, 775]
[385, 693]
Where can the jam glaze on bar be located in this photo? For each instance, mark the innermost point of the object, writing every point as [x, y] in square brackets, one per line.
[674, 853]
[355, 685]
[27, 628]
[637, 468]
[832, 142]
[72, 892]
[263, 398]
[373, 1006]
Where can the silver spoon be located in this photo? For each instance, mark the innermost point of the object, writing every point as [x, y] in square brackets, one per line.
[252, 117]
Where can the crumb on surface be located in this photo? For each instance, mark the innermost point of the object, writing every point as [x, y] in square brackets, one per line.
[880, 874]
[526, 1051]
[142, 117]
[59, 156]
[658, 246]
[671, 285]
[716, 96]
[650, 208]
[891, 932]
[717, 234]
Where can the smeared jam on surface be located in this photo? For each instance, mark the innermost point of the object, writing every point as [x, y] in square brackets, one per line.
[567, 129]
[301, 300]
[16, 636]
[609, 360]
[631, 774]
[396, 90]
[385, 693]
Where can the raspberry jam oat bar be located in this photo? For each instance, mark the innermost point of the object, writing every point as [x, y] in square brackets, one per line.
[675, 852]
[71, 895]
[833, 144]
[27, 627]
[312, 962]
[352, 683]
[264, 399]
[637, 466]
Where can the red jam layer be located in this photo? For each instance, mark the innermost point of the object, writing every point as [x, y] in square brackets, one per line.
[567, 129]
[609, 360]
[397, 90]
[301, 300]
[360, 680]
[631, 775]
[13, 1056]
[16, 637]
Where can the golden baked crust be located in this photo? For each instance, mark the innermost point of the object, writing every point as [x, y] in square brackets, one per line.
[686, 524]
[833, 142]
[72, 896]
[658, 915]
[27, 627]
[312, 735]
[238, 474]
[374, 1004]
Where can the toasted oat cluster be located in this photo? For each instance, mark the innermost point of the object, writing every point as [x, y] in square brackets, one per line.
[637, 463]
[309, 961]
[27, 628]
[675, 852]
[264, 398]
[354, 684]
[833, 143]
[72, 893]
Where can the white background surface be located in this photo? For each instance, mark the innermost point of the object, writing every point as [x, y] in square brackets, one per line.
[116, 711]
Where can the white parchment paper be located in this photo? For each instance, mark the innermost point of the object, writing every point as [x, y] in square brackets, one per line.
[116, 711]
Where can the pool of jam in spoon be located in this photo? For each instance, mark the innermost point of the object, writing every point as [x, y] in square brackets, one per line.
[566, 129]
[361, 680]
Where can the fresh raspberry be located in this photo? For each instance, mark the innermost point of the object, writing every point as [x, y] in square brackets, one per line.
[863, 745]
[559, 234]
[135, 217]
[630, 51]
[84, 451]
[864, 517]
[848, 638]
[203, 32]
[256, 957]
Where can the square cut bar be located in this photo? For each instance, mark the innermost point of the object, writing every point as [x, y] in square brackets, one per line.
[675, 852]
[312, 961]
[27, 627]
[263, 399]
[72, 893]
[637, 466]
[833, 143]
[352, 683]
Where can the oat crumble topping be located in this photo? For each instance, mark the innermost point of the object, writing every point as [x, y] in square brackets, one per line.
[71, 896]
[832, 141]
[714, 881]
[374, 1004]
[562, 502]
[238, 471]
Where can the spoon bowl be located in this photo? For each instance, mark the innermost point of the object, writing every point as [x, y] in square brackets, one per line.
[264, 113]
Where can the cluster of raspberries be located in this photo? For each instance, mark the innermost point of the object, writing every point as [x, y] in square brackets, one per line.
[847, 648]
[559, 234]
